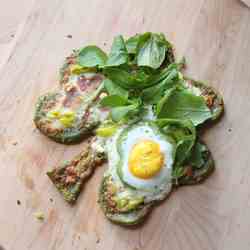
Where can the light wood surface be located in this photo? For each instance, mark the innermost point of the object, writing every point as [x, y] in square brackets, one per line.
[247, 2]
[215, 38]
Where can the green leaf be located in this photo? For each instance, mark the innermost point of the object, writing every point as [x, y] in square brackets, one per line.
[113, 101]
[138, 79]
[181, 104]
[196, 168]
[184, 148]
[119, 53]
[120, 77]
[142, 77]
[114, 89]
[169, 71]
[153, 94]
[151, 51]
[118, 113]
[91, 56]
[183, 132]
[196, 159]
[178, 172]
[125, 79]
[132, 43]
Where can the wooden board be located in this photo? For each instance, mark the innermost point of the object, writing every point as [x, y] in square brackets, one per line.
[247, 2]
[213, 35]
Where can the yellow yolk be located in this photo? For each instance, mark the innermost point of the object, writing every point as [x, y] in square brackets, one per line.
[145, 159]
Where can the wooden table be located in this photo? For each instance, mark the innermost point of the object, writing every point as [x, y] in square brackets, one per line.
[214, 36]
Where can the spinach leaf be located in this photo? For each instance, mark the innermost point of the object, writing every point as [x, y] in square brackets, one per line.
[132, 43]
[118, 113]
[151, 50]
[135, 79]
[160, 75]
[113, 101]
[196, 159]
[181, 104]
[183, 132]
[142, 77]
[91, 56]
[118, 54]
[125, 79]
[178, 171]
[120, 77]
[114, 89]
[153, 94]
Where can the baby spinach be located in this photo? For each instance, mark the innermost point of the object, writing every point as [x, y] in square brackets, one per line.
[183, 132]
[131, 43]
[153, 94]
[119, 53]
[196, 159]
[91, 56]
[114, 89]
[160, 75]
[118, 113]
[181, 104]
[140, 78]
[151, 50]
[177, 172]
[113, 101]
[125, 79]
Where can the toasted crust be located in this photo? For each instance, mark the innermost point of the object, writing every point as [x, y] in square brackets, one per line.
[70, 176]
[212, 97]
[197, 175]
[123, 218]
[64, 72]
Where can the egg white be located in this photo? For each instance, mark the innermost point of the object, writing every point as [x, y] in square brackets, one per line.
[136, 134]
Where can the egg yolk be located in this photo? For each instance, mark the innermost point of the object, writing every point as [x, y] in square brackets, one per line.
[145, 159]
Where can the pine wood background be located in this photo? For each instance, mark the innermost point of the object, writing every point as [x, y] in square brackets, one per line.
[35, 36]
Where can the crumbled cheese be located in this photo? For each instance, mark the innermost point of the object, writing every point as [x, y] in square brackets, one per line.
[39, 215]
[102, 95]
[98, 145]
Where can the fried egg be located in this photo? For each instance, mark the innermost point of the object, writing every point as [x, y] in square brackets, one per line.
[146, 157]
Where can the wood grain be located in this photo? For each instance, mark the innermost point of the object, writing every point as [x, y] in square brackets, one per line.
[247, 2]
[213, 35]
